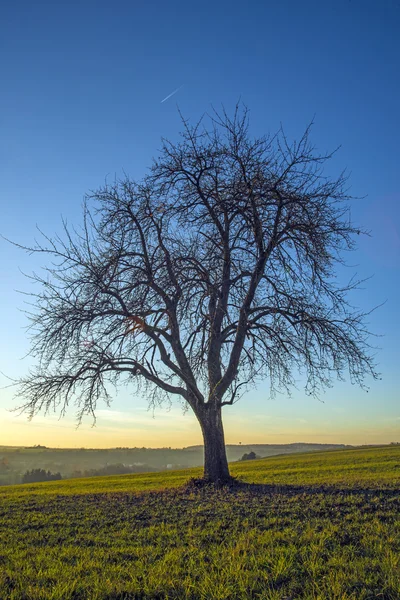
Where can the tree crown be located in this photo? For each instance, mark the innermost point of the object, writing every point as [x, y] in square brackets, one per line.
[214, 271]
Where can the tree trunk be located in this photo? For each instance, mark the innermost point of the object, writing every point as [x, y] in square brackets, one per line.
[216, 468]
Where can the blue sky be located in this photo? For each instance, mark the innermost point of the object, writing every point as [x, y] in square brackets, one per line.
[82, 85]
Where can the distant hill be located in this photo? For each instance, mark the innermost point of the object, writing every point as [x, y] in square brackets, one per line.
[15, 461]
[236, 451]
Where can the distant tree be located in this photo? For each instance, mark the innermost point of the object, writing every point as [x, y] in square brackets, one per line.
[36, 475]
[214, 272]
[250, 456]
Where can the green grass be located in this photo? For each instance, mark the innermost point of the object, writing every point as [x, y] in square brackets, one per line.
[315, 526]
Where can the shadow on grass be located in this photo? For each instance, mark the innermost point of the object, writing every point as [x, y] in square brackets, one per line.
[236, 486]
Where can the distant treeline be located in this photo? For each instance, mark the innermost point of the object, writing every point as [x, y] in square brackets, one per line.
[37, 475]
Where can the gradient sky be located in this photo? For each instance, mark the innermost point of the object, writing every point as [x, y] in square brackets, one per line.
[81, 91]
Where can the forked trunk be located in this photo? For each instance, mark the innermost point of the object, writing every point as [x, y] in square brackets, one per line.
[216, 468]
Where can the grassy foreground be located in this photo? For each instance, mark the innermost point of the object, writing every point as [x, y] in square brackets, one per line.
[315, 526]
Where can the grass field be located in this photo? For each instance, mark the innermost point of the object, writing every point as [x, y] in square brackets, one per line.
[316, 526]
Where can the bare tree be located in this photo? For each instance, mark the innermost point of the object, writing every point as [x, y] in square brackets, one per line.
[216, 271]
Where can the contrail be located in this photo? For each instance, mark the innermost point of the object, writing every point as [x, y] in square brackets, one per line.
[172, 93]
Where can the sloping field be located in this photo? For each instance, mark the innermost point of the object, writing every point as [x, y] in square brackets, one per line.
[316, 526]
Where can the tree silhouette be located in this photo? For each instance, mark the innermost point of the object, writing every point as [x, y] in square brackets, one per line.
[214, 272]
[250, 456]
